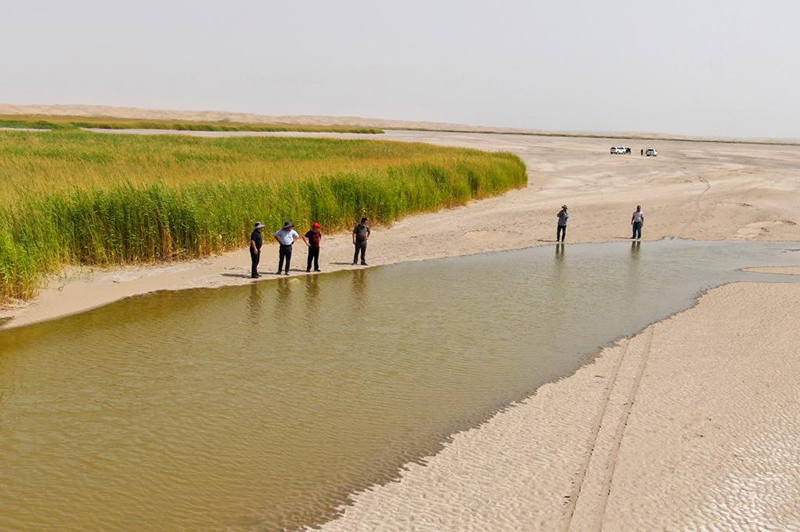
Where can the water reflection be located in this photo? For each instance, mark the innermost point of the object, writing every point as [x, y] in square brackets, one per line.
[359, 285]
[559, 252]
[254, 303]
[312, 296]
[283, 297]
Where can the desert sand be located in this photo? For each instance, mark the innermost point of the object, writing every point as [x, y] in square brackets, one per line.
[691, 424]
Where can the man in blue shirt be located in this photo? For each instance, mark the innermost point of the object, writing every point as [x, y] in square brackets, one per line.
[563, 217]
[285, 238]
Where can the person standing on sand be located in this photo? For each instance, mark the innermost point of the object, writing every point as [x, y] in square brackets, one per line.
[637, 221]
[256, 241]
[563, 217]
[314, 237]
[285, 238]
[361, 234]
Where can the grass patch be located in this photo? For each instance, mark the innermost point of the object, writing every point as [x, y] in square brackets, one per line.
[77, 122]
[73, 197]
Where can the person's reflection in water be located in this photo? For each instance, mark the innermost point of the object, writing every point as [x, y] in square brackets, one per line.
[254, 302]
[359, 289]
[312, 295]
[560, 252]
[283, 300]
[633, 286]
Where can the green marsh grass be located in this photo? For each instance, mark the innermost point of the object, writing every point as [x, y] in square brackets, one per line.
[75, 198]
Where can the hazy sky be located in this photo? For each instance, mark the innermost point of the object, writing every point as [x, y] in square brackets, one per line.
[696, 67]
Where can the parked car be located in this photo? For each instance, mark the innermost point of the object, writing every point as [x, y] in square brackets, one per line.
[651, 152]
[620, 150]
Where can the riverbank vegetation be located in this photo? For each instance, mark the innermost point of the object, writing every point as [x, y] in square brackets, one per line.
[77, 122]
[71, 197]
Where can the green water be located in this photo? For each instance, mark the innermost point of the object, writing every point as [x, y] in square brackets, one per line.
[265, 406]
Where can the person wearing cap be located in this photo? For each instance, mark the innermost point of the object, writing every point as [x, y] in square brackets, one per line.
[637, 221]
[285, 238]
[563, 217]
[256, 241]
[314, 237]
[361, 234]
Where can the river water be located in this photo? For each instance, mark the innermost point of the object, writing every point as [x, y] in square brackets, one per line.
[264, 406]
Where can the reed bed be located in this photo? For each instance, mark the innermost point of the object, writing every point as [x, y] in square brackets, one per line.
[76, 198]
[77, 122]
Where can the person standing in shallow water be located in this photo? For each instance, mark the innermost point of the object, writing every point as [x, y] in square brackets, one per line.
[563, 217]
[285, 238]
[637, 221]
[361, 234]
[256, 241]
[314, 237]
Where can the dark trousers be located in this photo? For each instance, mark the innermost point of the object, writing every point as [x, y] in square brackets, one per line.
[561, 233]
[361, 246]
[313, 255]
[284, 254]
[637, 230]
[254, 258]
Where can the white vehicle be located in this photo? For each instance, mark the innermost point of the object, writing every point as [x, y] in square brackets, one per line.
[620, 150]
[651, 152]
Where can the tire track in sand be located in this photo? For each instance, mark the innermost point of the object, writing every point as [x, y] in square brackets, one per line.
[587, 505]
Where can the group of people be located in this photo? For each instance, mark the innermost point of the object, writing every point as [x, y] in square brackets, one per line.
[637, 221]
[287, 236]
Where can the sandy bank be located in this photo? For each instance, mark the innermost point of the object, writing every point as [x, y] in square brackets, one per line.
[703, 191]
[689, 425]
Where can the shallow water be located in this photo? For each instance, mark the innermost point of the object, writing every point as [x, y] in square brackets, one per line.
[264, 406]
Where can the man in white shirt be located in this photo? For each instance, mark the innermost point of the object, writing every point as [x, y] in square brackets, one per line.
[637, 221]
[285, 238]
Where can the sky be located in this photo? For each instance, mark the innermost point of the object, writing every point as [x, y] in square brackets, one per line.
[702, 67]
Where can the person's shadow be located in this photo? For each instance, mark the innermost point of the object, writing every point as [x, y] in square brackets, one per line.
[237, 275]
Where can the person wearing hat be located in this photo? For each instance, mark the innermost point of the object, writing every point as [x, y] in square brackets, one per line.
[314, 237]
[563, 217]
[285, 238]
[256, 241]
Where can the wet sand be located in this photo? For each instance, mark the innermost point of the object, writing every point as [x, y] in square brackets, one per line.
[690, 424]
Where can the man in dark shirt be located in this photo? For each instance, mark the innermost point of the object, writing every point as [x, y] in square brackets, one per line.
[256, 241]
[361, 234]
[312, 240]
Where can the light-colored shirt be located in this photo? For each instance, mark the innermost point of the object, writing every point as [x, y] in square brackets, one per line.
[562, 218]
[286, 236]
[638, 216]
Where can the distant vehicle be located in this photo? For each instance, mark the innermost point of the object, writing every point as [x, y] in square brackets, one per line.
[651, 152]
[620, 150]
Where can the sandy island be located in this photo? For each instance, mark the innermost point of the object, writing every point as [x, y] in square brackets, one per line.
[691, 424]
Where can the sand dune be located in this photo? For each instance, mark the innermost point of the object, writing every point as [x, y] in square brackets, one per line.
[318, 120]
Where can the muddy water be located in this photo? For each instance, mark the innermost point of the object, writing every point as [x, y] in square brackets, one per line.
[263, 407]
